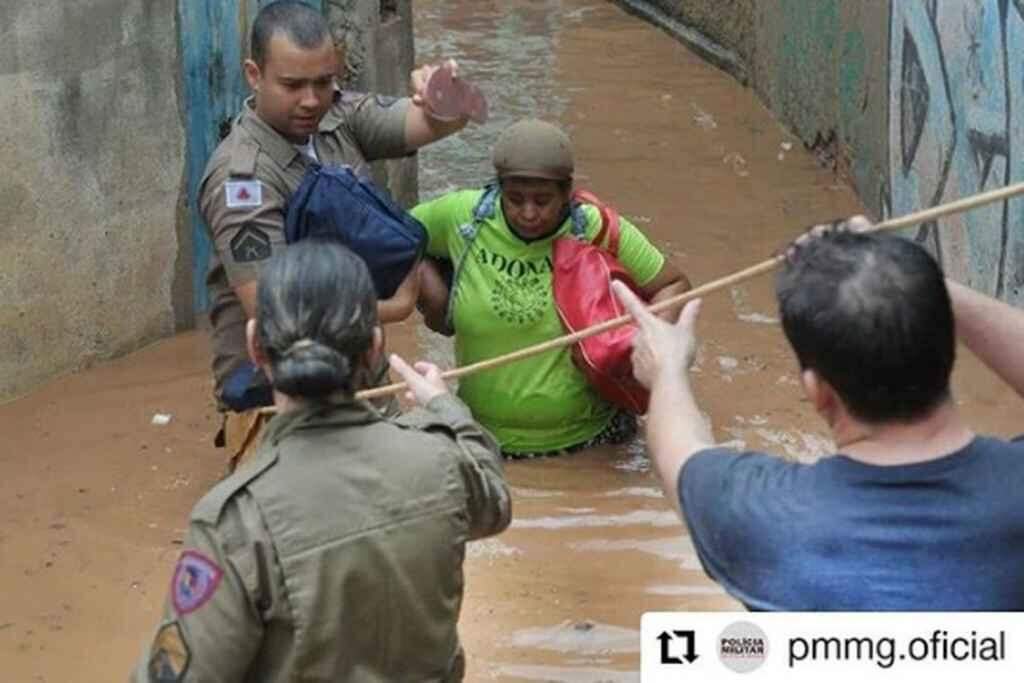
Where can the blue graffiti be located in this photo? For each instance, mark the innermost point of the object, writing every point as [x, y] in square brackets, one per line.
[952, 88]
[213, 38]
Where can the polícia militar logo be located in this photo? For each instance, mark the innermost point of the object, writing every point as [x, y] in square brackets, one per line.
[742, 647]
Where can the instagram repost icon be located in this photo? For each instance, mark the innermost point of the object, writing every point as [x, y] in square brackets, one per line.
[742, 647]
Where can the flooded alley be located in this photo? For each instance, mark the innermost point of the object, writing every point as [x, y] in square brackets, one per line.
[95, 495]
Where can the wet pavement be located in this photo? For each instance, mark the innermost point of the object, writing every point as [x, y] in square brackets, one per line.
[94, 497]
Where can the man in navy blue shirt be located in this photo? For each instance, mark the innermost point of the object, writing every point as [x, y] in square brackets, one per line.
[915, 511]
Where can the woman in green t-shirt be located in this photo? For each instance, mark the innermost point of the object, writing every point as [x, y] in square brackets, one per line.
[500, 240]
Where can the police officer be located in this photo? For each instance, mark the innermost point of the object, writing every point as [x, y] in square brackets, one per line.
[336, 553]
[296, 115]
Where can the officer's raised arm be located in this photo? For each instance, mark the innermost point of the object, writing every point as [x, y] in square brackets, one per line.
[489, 503]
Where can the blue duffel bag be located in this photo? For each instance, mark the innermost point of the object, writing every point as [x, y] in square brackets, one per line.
[333, 203]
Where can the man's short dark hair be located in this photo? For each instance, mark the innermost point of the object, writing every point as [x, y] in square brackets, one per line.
[301, 23]
[872, 316]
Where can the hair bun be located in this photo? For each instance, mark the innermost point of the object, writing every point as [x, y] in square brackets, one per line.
[310, 368]
[316, 313]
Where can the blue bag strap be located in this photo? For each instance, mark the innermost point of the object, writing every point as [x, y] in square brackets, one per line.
[246, 387]
[485, 209]
[579, 221]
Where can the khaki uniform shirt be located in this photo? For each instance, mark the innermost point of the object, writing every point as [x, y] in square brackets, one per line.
[335, 555]
[245, 190]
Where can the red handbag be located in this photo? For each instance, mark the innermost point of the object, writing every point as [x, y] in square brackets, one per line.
[583, 274]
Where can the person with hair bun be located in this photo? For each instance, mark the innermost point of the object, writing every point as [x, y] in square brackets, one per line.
[336, 553]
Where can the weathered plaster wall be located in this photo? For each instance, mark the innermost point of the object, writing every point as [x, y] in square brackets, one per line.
[721, 31]
[380, 54]
[111, 109]
[822, 66]
[92, 146]
[911, 100]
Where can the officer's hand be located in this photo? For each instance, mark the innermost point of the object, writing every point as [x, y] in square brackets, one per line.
[660, 347]
[856, 223]
[424, 379]
[419, 78]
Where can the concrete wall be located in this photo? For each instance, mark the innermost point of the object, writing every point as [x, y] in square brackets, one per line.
[90, 186]
[110, 109]
[910, 100]
[721, 31]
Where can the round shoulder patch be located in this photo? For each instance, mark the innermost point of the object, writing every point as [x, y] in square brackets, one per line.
[196, 578]
[169, 655]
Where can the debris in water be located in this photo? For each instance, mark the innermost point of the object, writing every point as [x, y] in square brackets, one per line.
[738, 163]
[702, 118]
[490, 549]
[161, 420]
[728, 363]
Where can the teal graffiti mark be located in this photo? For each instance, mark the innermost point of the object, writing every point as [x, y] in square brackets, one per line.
[808, 40]
[212, 37]
[852, 68]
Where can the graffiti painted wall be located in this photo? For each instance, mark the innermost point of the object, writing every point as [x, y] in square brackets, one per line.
[955, 84]
[914, 101]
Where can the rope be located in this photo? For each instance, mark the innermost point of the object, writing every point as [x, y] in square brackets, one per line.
[768, 265]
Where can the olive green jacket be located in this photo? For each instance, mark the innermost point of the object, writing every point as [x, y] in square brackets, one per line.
[336, 554]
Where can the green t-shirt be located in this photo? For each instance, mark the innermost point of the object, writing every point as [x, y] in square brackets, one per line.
[504, 302]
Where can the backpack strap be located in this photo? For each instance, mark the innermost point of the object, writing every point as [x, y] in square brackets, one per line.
[487, 205]
[610, 224]
[484, 209]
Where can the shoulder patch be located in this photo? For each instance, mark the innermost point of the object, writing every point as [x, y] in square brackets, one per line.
[242, 160]
[250, 244]
[242, 193]
[196, 578]
[169, 655]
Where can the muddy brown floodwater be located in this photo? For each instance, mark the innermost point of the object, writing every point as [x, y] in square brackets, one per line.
[94, 497]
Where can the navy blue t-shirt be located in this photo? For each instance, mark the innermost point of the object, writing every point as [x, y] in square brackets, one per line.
[947, 534]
